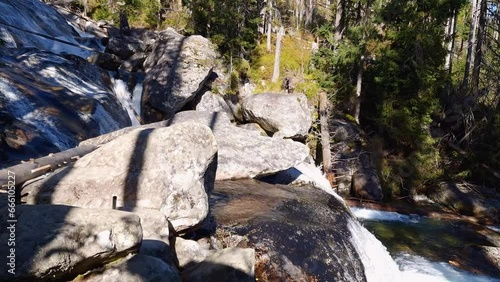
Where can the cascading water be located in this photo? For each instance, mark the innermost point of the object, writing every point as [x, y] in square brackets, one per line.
[121, 92]
[411, 267]
[378, 263]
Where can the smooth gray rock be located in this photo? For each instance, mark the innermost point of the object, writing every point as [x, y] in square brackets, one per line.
[286, 115]
[59, 242]
[211, 102]
[244, 153]
[190, 252]
[231, 264]
[366, 185]
[176, 70]
[155, 234]
[253, 127]
[168, 169]
[139, 268]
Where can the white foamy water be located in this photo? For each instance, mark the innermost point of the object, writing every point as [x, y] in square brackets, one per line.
[121, 92]
[375, 215]
[404, 267]
[419, 269]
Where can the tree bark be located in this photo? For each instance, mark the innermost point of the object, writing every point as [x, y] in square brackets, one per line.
[451, 28]
[359, 84]
[339, 20]
[481, 28]
[325, 133]
[276, 71]
[37, 167]
[472, 42]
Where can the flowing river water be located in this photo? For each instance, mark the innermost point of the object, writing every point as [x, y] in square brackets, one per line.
[426, 249]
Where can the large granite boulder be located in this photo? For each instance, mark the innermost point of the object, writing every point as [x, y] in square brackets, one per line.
[211, 102]
[190, 252]
[155, 234]
[168, 169]
[298, 233]
[139, 268]
[176, 71]
[366, 185]
[55, 242]
[244, 153]
[285, 115]
[231, 264]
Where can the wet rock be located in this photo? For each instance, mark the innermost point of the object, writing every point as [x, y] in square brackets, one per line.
[39, 18]
[168, 169]
[231, 264]
[190, 252]
[465, 200]
[106, 61]
[51, 103]
[176, 70]
[366, 185]
[485, 258]
[60, 242]
[299, 234]
[285, 115]
[139, 268]
[244, 153]
[123, 47]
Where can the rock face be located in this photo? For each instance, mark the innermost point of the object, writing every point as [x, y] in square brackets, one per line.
[139, 268]
[366, 185]
[155, 234]
[50, 103]
[231, 264]
[299, 234]
[190, 252]
[176, 70]
[244, 153]
[60, 242]
[351, 158]
[168, 169]
[285, 115]
[211, 102]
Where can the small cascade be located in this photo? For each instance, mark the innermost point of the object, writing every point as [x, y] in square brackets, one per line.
[121, 92]
[137, 95]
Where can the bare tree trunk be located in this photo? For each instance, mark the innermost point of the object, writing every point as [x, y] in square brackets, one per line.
[359, 84]
[476, 68]
[269, 31]
[451, 28]
[276, 71]
[269, 17]
[339, 20]
[309, 12]
[85, 7]
[325, 133]
[472, 42]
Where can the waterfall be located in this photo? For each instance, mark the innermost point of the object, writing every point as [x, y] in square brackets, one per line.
[121, 92]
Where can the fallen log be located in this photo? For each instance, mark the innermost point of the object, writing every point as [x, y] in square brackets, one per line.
[18, 174]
